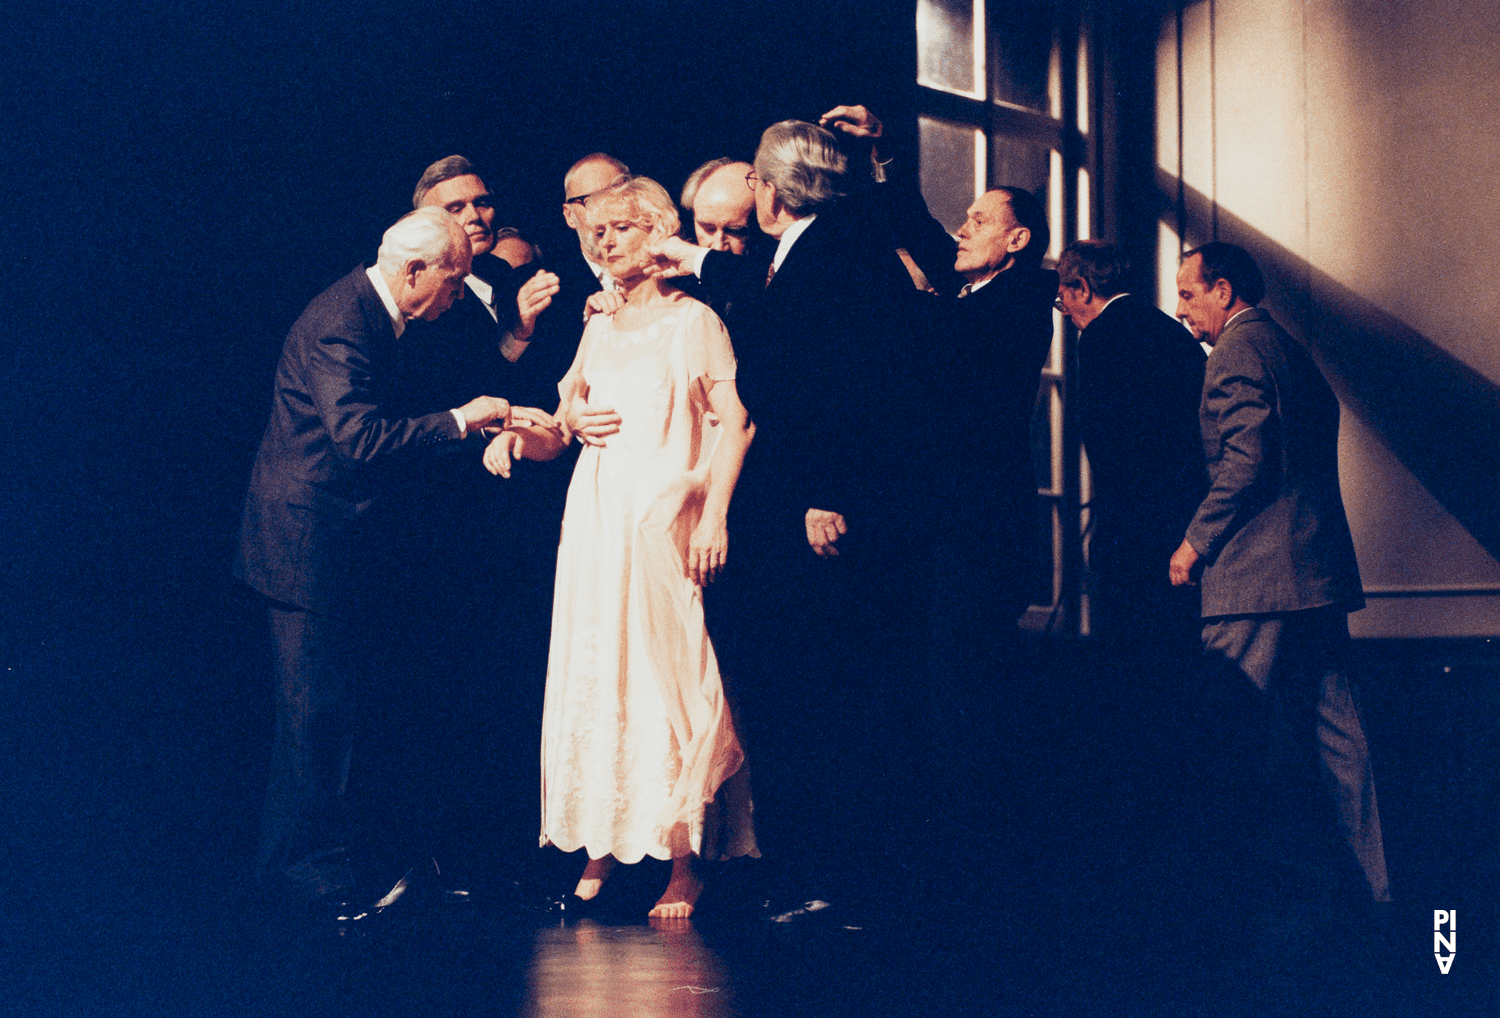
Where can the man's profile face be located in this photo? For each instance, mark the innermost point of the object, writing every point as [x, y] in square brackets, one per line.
[434, 287]
[1203, 309]
[722, 209]
[1070, 299]
[990, 236]
[765, 204]
[469, 201]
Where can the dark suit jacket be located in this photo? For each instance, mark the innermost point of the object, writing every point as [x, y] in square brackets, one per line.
[447, 362]
[1140, 380]
[981, 362]
[1272, 530]
[554, 344]
[327, 453]
[818, 374]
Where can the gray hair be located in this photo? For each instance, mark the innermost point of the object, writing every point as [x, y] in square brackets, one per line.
[425, 235]
[644, 199]
[697, 177]
[1101, 263]
[444, 169]
[804, 164]
[593, 157]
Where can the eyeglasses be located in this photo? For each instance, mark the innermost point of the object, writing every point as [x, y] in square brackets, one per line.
[582, 200]
[751, 180]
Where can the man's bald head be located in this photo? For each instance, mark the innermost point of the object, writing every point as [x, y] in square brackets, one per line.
[724, 208]
[590, 175]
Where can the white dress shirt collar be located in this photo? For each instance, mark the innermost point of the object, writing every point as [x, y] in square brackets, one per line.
[788, 238]
[485, 292]
[398, 320]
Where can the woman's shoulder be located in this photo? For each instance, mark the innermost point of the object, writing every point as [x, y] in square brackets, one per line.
[696, 313]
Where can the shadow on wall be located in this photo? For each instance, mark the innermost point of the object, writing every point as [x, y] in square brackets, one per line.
[1439, 416]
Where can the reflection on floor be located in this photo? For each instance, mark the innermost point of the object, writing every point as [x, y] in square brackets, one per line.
[627, 972]
[1079, 872]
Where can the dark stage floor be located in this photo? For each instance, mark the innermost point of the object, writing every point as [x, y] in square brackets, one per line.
[1082, 877]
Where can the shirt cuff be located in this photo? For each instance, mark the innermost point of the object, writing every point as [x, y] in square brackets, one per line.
[463, 428]
[512, 348]
[698, 261]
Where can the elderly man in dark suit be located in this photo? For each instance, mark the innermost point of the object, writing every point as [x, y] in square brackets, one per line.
[1139, 380]
[985, 332]
[1271, 550]
[328, 453]
[815, 619]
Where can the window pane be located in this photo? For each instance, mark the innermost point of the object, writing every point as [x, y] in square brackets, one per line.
[1021, 35]
[947, 168]
[945, 45]
[1016, 163]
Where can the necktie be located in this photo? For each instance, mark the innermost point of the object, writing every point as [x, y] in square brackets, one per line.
[770, 273]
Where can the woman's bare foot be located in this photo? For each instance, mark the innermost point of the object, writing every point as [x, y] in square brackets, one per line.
[594, 875]
[677, 901]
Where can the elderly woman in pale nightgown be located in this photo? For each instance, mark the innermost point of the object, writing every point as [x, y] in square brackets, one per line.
[637, 739]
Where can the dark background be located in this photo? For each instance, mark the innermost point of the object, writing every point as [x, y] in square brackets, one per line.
[180, 179]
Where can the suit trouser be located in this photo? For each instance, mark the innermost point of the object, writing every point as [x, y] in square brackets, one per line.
[1297, 661]
[315, 668]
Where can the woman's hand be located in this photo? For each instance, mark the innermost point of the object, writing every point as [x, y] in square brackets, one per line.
[502, 450]
[707, 551]
[605, 302]
[591, 423]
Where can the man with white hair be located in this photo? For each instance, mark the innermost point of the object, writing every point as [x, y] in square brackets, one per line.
[816, 616]
[328, 452]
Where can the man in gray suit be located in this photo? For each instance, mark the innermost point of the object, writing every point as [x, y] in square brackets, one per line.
[1270, 546]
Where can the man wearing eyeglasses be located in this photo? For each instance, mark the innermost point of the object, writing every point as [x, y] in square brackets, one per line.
[580, 271]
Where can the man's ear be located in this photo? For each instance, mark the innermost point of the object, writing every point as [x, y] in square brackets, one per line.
[1223, 293]
[411, 270]
[1085, 291]
[568, 216]
[776, 205]
[1019, 238]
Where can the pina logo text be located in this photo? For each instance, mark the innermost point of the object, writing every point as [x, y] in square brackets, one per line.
[1445, 937]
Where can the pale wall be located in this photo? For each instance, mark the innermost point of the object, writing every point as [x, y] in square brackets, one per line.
[1354, 148]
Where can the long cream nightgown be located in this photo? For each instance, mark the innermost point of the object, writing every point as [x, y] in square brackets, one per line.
[636, 734]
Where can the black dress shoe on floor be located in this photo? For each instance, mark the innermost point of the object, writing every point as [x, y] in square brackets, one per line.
[322, 878]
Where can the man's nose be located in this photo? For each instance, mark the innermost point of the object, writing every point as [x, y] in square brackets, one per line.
[720, 241]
